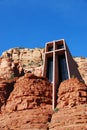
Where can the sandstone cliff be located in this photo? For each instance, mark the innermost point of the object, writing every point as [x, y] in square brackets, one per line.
[71, 110]
[23, 59]
[82, 67]
[18, 61]
[26, 99]
[25, 103]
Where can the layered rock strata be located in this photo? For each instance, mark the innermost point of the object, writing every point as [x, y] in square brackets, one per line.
[28, 106]
[71, 110]
[70, 119]
[82, 67]
[29, 92]
[31, 60]
[71, 93]
[6, 87]
[10, 68]
[26, 102]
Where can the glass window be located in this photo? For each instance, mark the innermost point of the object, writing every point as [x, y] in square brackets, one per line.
[60, 46]
[50, 69]
[50, 49]
[63, 72]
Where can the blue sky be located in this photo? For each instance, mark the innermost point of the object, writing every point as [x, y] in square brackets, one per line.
[32, 23]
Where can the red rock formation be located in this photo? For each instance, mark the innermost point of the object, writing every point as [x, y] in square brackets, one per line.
[71, 111]
[10, 68]
[31, 60]
[74, 118]
[29, 92]
[29, 105]
[72, 92]
[82, 67]
[25, 102]
[6, 87]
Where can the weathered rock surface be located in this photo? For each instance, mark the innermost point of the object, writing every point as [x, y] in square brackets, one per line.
[74, 118]
[71, 111]
[10, 68]
[26, 102]
[6, 87]
[28, 106]
[71, 93]
[31, 60]
[29, 92]
[82, 67]
[29, 119]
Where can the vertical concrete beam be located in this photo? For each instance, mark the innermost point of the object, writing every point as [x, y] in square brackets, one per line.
[54, 86]
[66, 56]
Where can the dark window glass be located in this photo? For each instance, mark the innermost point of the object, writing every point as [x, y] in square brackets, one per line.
[50, 69]
[50, 49]
[63, 73]
[60, 46]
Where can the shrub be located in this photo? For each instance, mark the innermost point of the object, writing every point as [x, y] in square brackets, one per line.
[56, 109]
[11, 76]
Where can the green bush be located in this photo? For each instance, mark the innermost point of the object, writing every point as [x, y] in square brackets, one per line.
[11, 76]
[56, 109]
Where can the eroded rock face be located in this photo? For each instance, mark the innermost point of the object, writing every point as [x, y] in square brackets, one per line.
[10, 68]
[29, 92]
[26, 102]
[29, 59]
[29, 104]
[71, 93]
[29, 119]
[6, 87]
[74, 118]
[82, 67]
[71, 110]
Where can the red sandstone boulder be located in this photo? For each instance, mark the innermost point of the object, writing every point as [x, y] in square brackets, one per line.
[10, 68]
[28, 106]
[71, 93]
[6, 87]
[71, 110]
[29, 92]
